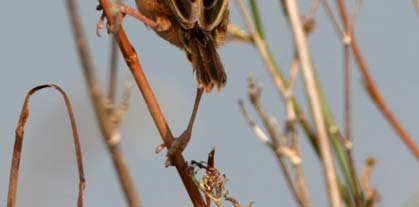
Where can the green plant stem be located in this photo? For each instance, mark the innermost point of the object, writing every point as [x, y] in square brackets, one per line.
[256, 18]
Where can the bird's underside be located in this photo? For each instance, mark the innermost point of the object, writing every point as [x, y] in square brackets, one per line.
[207, 14]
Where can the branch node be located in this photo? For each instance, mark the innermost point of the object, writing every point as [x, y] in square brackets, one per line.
[346, 40]
[115, 139]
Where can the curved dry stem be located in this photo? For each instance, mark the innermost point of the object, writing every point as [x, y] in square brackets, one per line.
[14, 171]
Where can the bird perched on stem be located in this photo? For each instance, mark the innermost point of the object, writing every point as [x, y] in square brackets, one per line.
[196, 26]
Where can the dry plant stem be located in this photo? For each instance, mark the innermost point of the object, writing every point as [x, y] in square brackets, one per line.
[261, 46]
[14, 170]
[292, 130]
[134, 65]
[372, 89]
[236, 33]
[254, 94]
[313, 9]
[354, 13]
[278, 155]
[309, 79]
[113, 72]
[256, 129]
[366, 173]
[347, 92]
[279, 83]
[333, 18]
[302, 200]
[293, 74]
[416, 2]
[106, 126]
[347, 141]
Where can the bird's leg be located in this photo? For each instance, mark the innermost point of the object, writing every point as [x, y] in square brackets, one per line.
[179, 144]
[120, 11]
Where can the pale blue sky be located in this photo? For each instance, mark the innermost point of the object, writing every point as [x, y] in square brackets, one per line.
[36, 47]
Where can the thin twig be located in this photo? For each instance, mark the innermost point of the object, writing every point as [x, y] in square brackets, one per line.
[261, 46]
[291, 130]
[236, 33]
[293, 73]
[134, 65]
[333, 18]
[313, 9]
[347, 139]
[14, 170]
[107, 127]
[372, 194]
[256, 128]
[274, 70]
[347, 91]
[372, 89]
[274, 144]
[113, 72]
[347, 142]
[355, 12]
[313, 95]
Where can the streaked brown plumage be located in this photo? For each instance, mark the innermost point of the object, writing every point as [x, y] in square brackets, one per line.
[196, 26]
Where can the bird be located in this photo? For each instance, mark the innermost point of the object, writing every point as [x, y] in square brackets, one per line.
[198, 27]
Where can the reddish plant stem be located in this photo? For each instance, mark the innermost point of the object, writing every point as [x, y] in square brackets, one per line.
[372, 89]
[134, 65]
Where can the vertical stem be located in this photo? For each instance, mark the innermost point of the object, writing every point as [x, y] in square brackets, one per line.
[103, 117]
[347, 92]
[113, 71]
[311, 87]
[372, 89]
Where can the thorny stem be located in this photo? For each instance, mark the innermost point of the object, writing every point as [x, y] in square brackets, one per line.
[313, 95]
[134, 65]
[372, 89]
[107, 128]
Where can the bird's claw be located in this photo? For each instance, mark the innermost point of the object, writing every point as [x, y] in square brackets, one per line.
[177, 146]
[116, 23]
